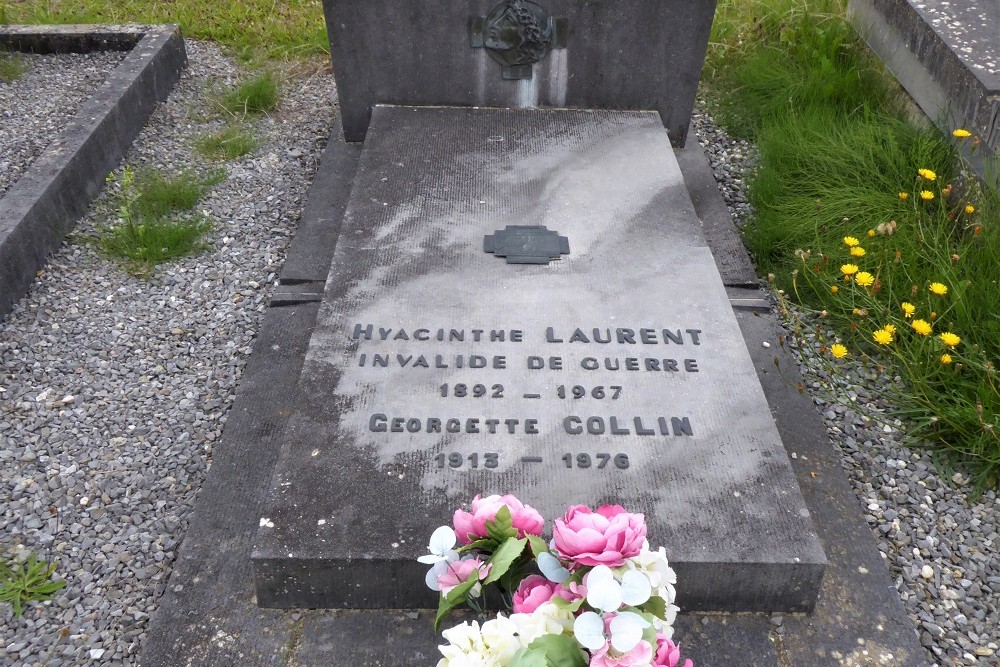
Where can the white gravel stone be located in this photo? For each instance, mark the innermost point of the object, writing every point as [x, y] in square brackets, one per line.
[35, 106]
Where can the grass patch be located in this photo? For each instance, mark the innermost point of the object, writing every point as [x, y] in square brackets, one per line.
[256, 95]
[12, 66]
[153, 224]
[227, 144]
[25, 581]
[161, 194]
[839, 162]
[252, 29]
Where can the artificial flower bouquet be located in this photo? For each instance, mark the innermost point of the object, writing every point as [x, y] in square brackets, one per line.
[603, 598]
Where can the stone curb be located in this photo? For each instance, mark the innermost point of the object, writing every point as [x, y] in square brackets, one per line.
[941, 68]
[44, 204]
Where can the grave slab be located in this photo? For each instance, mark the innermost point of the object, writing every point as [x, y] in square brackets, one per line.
[467, 380]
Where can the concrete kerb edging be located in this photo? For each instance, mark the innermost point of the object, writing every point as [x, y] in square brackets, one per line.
[44, 204]
[949, 92]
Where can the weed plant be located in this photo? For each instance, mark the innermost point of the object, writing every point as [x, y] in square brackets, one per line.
[256, 95]
[28, 580]
[151, 227]
[916, 287]
[229, 143]
[160, 194]
[12, 66]
[252, 29]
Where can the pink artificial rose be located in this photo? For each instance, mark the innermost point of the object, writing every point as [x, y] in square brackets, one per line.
[639, 656]
[461, 571]
[470, 526]
[534, 591]
[668, 654]
[605, 537]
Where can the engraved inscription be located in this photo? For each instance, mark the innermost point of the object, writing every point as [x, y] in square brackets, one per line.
[477, 377]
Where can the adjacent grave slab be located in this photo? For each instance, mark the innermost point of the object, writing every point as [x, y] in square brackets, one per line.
[600, 54]
[437, 371]
[946, 53]
[45, 203]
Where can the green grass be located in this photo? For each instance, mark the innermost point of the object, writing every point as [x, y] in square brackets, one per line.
[256, 95]
[12, 66]
[145, 244]
[152, 223]
[160, 194]
[250, 28]
[25, 581]
[227, 144]
[835, 150]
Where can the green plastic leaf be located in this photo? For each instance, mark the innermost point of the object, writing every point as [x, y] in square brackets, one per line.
[527, 657]
[538, 545]
[567, 606]
[656, 606]
[484, 544]
[560, 651]
[502, 526]
[455, 597]
[504, 557]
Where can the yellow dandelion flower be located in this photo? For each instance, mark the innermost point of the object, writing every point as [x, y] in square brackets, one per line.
[938, 288]
[849, 269]
[922, 327]
[961, 134]
[970, 209]
[926, 195]
[834, 289]
[904, 195]
[871, 233]
[850, 241]
[857, 251]
[864, 279]
[945, 358]
[908, 308]
[882, 337]
[927, 174]
[838, 350]
[950, 339]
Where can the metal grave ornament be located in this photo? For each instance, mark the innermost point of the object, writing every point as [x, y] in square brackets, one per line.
[526, 244]
[517, 34]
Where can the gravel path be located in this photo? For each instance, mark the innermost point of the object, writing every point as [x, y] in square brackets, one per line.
[114, 389]
[35, 106]
[941, 548]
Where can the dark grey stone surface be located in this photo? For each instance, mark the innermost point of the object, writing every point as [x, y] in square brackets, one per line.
[38, 210]
[620, 54]
[431, 184]
[945, 53]
[731, 256]
[203, 625]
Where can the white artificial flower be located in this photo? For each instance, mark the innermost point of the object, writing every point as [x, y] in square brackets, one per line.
[607, 593]
[624, 631]
[547, 619]
[441, 546]
[656, 568]
[492, 645]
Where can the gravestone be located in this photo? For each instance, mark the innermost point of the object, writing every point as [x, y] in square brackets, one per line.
[590, 54]
[522, 301]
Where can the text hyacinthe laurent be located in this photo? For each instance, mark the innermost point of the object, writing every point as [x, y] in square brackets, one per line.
[600, 597]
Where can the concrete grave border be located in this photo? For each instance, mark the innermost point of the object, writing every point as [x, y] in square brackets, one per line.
[44, 204]
[936, 65]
